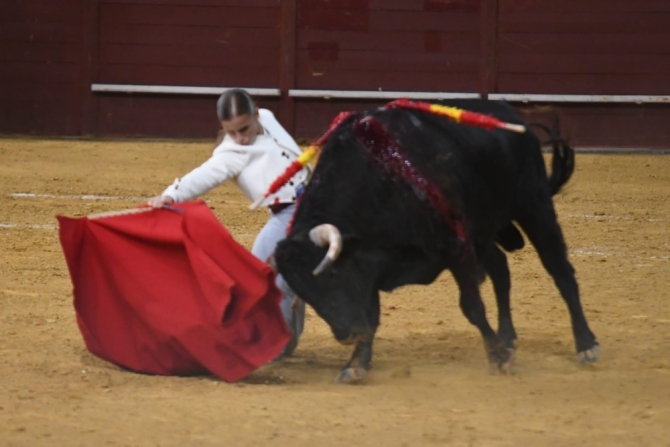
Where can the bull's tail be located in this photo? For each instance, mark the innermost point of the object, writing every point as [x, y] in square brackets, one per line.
[563, 159]
[562, 166]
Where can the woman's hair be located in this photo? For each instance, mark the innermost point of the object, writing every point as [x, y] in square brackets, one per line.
[234, 102]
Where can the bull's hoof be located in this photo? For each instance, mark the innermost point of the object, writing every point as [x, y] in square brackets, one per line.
[500, 363]
[351, 375]
[589, 355]
[509, 343]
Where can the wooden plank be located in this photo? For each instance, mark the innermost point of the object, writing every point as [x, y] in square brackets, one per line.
[334, 19]
[313, 117]
[415, 21]
[432, 41]
[584, 63]
[39, 33]
[396, 5]
[221, 17]
[372, 61]
[605, 43]
[15, 117]
[579, 6]
[584, 23]
[38, 72]
[37, 118]
[587, 84]
[63, 92]
[39, 52]
[189, 55]
[610, 126]
[334, 4]
[190, 35]
[238, 57]
[452, 5]
[40, 11]
[323, 51]
[392, 41]
[121, 115]
[245, 3]
[489, 37]
[195, 76]
[393, 5]
[287, 62]
[352, 20]
[90, 52]
[161, 116]
[385, 80]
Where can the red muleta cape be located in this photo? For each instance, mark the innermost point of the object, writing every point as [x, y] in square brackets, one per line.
[170, 292]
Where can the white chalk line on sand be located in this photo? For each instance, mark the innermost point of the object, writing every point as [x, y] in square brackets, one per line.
[28, 226]
[21, 195]
[604, 253]
[610, 217]
[30, 195]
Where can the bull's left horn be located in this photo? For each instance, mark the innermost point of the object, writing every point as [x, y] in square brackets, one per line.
[326, 235]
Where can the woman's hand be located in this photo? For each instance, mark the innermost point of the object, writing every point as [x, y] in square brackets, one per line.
[160, 201]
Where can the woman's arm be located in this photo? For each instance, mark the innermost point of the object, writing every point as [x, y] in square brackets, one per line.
[222, 166]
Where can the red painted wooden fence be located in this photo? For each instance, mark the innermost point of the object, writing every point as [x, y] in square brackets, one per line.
[52, 51]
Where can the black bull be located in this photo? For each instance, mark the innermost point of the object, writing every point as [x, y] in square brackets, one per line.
[390, 235]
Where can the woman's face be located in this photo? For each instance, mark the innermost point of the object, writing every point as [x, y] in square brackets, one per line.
[243, 129]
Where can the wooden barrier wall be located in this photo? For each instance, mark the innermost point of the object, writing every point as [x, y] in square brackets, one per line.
[41, 57]
[187, 42]
[593, 47]
[51, 51]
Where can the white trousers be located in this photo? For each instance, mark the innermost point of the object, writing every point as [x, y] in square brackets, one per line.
[264, 245]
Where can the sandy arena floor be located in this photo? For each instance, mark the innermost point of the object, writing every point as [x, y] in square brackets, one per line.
[430, 385]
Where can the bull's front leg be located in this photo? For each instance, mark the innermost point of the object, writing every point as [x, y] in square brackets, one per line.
[359, 364]
[465, 273]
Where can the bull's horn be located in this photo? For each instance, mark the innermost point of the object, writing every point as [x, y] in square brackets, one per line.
[326, 235]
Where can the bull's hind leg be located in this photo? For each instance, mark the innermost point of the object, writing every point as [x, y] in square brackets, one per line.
[360, 362]
[544, 232]
[495, 263]
[465, 274]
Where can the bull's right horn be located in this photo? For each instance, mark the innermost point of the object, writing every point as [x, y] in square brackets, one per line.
[326, 235]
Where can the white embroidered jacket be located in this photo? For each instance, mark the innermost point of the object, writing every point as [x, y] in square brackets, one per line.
[254, 167]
